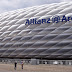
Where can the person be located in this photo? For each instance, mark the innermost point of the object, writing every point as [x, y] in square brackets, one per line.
[22, 64]
[15, 65]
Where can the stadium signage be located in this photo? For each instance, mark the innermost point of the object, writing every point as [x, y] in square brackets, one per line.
[48, 20]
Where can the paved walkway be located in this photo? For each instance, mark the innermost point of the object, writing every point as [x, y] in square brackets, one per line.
[35, 68]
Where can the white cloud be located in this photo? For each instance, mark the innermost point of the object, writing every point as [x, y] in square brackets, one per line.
[7, 5]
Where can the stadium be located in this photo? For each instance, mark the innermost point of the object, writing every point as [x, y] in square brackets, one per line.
[22, 40]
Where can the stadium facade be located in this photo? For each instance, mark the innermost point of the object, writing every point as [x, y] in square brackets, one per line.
[21, 39]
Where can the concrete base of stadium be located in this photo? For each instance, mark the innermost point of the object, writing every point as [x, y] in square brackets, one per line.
[37, 61]
[34, 62]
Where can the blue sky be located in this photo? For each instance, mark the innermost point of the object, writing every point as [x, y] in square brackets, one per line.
[9, 5]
